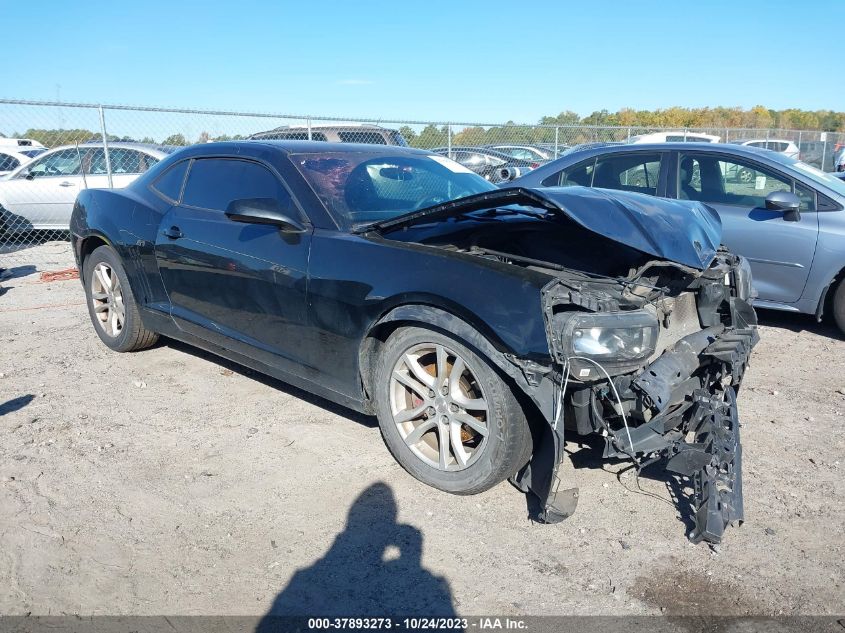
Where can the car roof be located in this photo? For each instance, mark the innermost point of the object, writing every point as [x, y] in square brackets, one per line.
[761, 140]
[329, 126]
[296, 147]
[663, 147]
[528, 145]
[479, 149]
[148, 147]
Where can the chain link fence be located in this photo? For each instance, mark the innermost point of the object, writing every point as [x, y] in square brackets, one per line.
[50, 151]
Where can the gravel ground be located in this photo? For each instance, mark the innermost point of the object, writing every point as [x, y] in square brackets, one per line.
[172, 482]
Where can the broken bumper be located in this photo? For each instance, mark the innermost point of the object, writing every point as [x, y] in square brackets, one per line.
[714, 462]
[690, 393]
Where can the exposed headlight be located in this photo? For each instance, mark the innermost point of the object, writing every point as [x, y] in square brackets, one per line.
[616, 343]
[613, 338]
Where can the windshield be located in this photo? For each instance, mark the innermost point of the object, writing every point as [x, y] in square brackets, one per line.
[32, 153]
[829, 180]
[361, 187]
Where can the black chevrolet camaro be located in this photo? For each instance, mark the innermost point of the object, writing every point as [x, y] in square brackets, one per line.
[480, 325]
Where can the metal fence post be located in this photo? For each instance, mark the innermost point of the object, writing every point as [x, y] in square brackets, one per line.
[823, 137]
[629, 134]
[105, 145]
[449, 140]
[557, 137]
[308, 123]
[799, 143]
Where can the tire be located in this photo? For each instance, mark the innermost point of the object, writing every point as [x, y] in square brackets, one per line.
[123, 330]
[474, 461]
[838, 305]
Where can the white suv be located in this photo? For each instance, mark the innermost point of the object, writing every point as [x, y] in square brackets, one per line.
[781, 146]
[680, 136]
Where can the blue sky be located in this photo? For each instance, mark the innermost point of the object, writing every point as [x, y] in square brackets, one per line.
[461, 61]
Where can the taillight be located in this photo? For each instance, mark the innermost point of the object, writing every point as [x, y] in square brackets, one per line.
[535, 165]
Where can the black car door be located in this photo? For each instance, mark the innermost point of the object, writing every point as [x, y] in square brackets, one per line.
[239, 285]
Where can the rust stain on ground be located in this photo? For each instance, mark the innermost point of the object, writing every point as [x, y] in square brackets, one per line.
[689, 593]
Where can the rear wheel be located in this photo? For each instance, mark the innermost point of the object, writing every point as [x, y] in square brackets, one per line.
[111, 304]
[446, 415]
[745, 175]
[839, 306]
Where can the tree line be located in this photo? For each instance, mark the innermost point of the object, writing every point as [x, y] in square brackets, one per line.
[615, 126]
[573, 128]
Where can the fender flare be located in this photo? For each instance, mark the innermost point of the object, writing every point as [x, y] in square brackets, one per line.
[528, 376]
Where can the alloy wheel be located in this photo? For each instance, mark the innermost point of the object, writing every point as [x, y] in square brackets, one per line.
[107, 299]
[439, 407]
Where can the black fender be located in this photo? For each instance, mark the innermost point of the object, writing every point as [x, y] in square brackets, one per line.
[454, 325]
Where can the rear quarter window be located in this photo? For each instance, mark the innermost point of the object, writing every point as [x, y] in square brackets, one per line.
[169, 184]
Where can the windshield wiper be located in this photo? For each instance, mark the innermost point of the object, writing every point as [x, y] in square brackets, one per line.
[363, 227]
[594, 277]
[489, 213]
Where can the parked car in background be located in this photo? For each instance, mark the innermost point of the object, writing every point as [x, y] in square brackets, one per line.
[679, 136]
[40, 194]
[554, 150]
[781, 146]
[819, 154]
[359, 133]
[12, 157]
[490, 164]
[839, 159]
[19, 142]
[524, 152]
[786, 217]
[398, 283]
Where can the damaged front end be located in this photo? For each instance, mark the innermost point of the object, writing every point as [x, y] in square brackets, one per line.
[652, 363]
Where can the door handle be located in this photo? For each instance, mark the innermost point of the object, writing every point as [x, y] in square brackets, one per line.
[174, 233]
[65, 184]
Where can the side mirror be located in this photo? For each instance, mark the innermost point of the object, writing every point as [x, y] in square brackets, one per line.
[263, 211]
[787, 203]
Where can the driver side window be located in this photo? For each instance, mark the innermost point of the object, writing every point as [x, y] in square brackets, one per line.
[733, 182]
[62, 163]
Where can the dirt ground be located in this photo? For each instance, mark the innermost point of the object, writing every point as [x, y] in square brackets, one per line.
[171, 482]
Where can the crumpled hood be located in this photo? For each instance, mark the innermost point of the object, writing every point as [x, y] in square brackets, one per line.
[688, 233]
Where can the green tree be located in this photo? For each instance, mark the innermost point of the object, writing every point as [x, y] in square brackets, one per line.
[432, 136]
[175, 139]
[52, 138]
[408, 134]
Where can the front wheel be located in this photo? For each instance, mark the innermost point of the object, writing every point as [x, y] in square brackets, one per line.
[446, 415]
[111, 303]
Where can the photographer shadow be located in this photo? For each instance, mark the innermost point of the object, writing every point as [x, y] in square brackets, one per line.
[373, 568]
